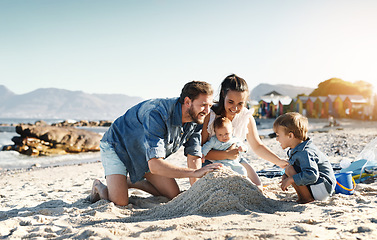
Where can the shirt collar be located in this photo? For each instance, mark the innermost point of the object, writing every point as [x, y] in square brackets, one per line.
[299, 147]
[177, 116]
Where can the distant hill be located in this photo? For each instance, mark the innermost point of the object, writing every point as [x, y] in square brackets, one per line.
[5, 93]
[59, 103]
[284, 89]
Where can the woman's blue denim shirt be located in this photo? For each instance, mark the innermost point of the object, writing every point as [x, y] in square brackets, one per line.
[152, 129]
[314, 165]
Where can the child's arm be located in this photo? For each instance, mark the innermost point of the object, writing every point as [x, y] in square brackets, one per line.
[208, 146]
[286, 182]
[309, 168]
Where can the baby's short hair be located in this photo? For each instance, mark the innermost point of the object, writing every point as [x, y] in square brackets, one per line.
[293, 122]
[221, 122]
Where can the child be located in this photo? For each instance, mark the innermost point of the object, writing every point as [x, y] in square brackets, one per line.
[222, 141]
[309, 172]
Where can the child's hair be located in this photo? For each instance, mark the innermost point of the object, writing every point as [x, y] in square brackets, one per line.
[293, 122]
[221, 122]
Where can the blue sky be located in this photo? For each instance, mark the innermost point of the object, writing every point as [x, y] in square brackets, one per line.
[152, 48]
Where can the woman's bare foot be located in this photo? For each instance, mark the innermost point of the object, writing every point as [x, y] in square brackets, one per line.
[99, 191]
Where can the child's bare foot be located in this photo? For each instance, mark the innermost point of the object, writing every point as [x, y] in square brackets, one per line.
[303, 201]
[99, 191]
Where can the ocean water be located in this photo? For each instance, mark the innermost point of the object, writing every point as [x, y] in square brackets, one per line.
[15, 160]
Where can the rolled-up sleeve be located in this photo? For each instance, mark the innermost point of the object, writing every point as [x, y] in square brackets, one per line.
[309, 169]
[154, 129]
[194, 144]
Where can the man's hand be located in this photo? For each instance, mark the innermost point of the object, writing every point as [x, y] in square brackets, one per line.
[206, 169]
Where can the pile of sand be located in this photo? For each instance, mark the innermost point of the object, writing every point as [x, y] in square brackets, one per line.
[218, 192]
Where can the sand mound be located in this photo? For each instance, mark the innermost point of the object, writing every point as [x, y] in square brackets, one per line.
[218, 192]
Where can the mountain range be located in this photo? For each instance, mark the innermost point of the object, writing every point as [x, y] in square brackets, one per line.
[47, 103]
[57, 103]
[283, 89]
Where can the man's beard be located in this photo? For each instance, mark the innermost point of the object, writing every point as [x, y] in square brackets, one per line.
[194, 116]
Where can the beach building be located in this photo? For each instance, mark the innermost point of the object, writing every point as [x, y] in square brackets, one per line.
[355, 106]
[310, 110]
[320, 108]
[338, 106]
[253, 106]
[273, 104]
[299, 105]
[329, 103]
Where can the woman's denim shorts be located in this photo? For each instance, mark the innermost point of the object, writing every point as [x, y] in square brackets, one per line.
[110, 160]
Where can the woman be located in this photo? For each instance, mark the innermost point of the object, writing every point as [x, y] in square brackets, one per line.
[234, 93]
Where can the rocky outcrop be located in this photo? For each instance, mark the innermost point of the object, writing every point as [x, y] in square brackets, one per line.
[42, 139]
[83, 123]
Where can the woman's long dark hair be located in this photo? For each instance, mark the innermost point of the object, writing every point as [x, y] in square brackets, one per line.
[233, 83]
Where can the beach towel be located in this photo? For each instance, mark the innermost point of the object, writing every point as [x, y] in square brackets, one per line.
[275, 171]
[362, 167]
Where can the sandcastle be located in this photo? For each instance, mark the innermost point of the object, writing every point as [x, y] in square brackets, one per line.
[218, 192]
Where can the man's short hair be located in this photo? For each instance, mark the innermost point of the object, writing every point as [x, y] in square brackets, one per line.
[193, 89]
[293, 122]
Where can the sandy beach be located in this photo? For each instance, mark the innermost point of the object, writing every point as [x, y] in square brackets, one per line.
[52, 202]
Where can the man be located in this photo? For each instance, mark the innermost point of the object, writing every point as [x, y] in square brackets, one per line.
[138, 142]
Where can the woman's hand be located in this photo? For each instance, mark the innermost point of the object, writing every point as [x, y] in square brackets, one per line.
[232, 152]
[242, 149]
[282, 163]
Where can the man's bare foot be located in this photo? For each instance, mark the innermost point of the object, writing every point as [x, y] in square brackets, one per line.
[144, 185]
[303, 201]
[99, 191]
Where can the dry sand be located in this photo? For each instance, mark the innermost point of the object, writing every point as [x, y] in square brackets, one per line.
[51, 203]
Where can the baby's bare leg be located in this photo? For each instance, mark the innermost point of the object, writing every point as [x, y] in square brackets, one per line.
[252, 174]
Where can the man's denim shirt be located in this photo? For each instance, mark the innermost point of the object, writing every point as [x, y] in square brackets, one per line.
[314, 165]
[152, 129]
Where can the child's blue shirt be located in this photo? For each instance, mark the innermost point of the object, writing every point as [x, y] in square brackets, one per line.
[314, 165]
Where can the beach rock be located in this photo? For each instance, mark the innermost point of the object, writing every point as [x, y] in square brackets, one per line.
[83, 123]
[43, 139]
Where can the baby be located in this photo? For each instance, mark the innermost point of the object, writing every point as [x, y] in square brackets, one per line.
[222, 141]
